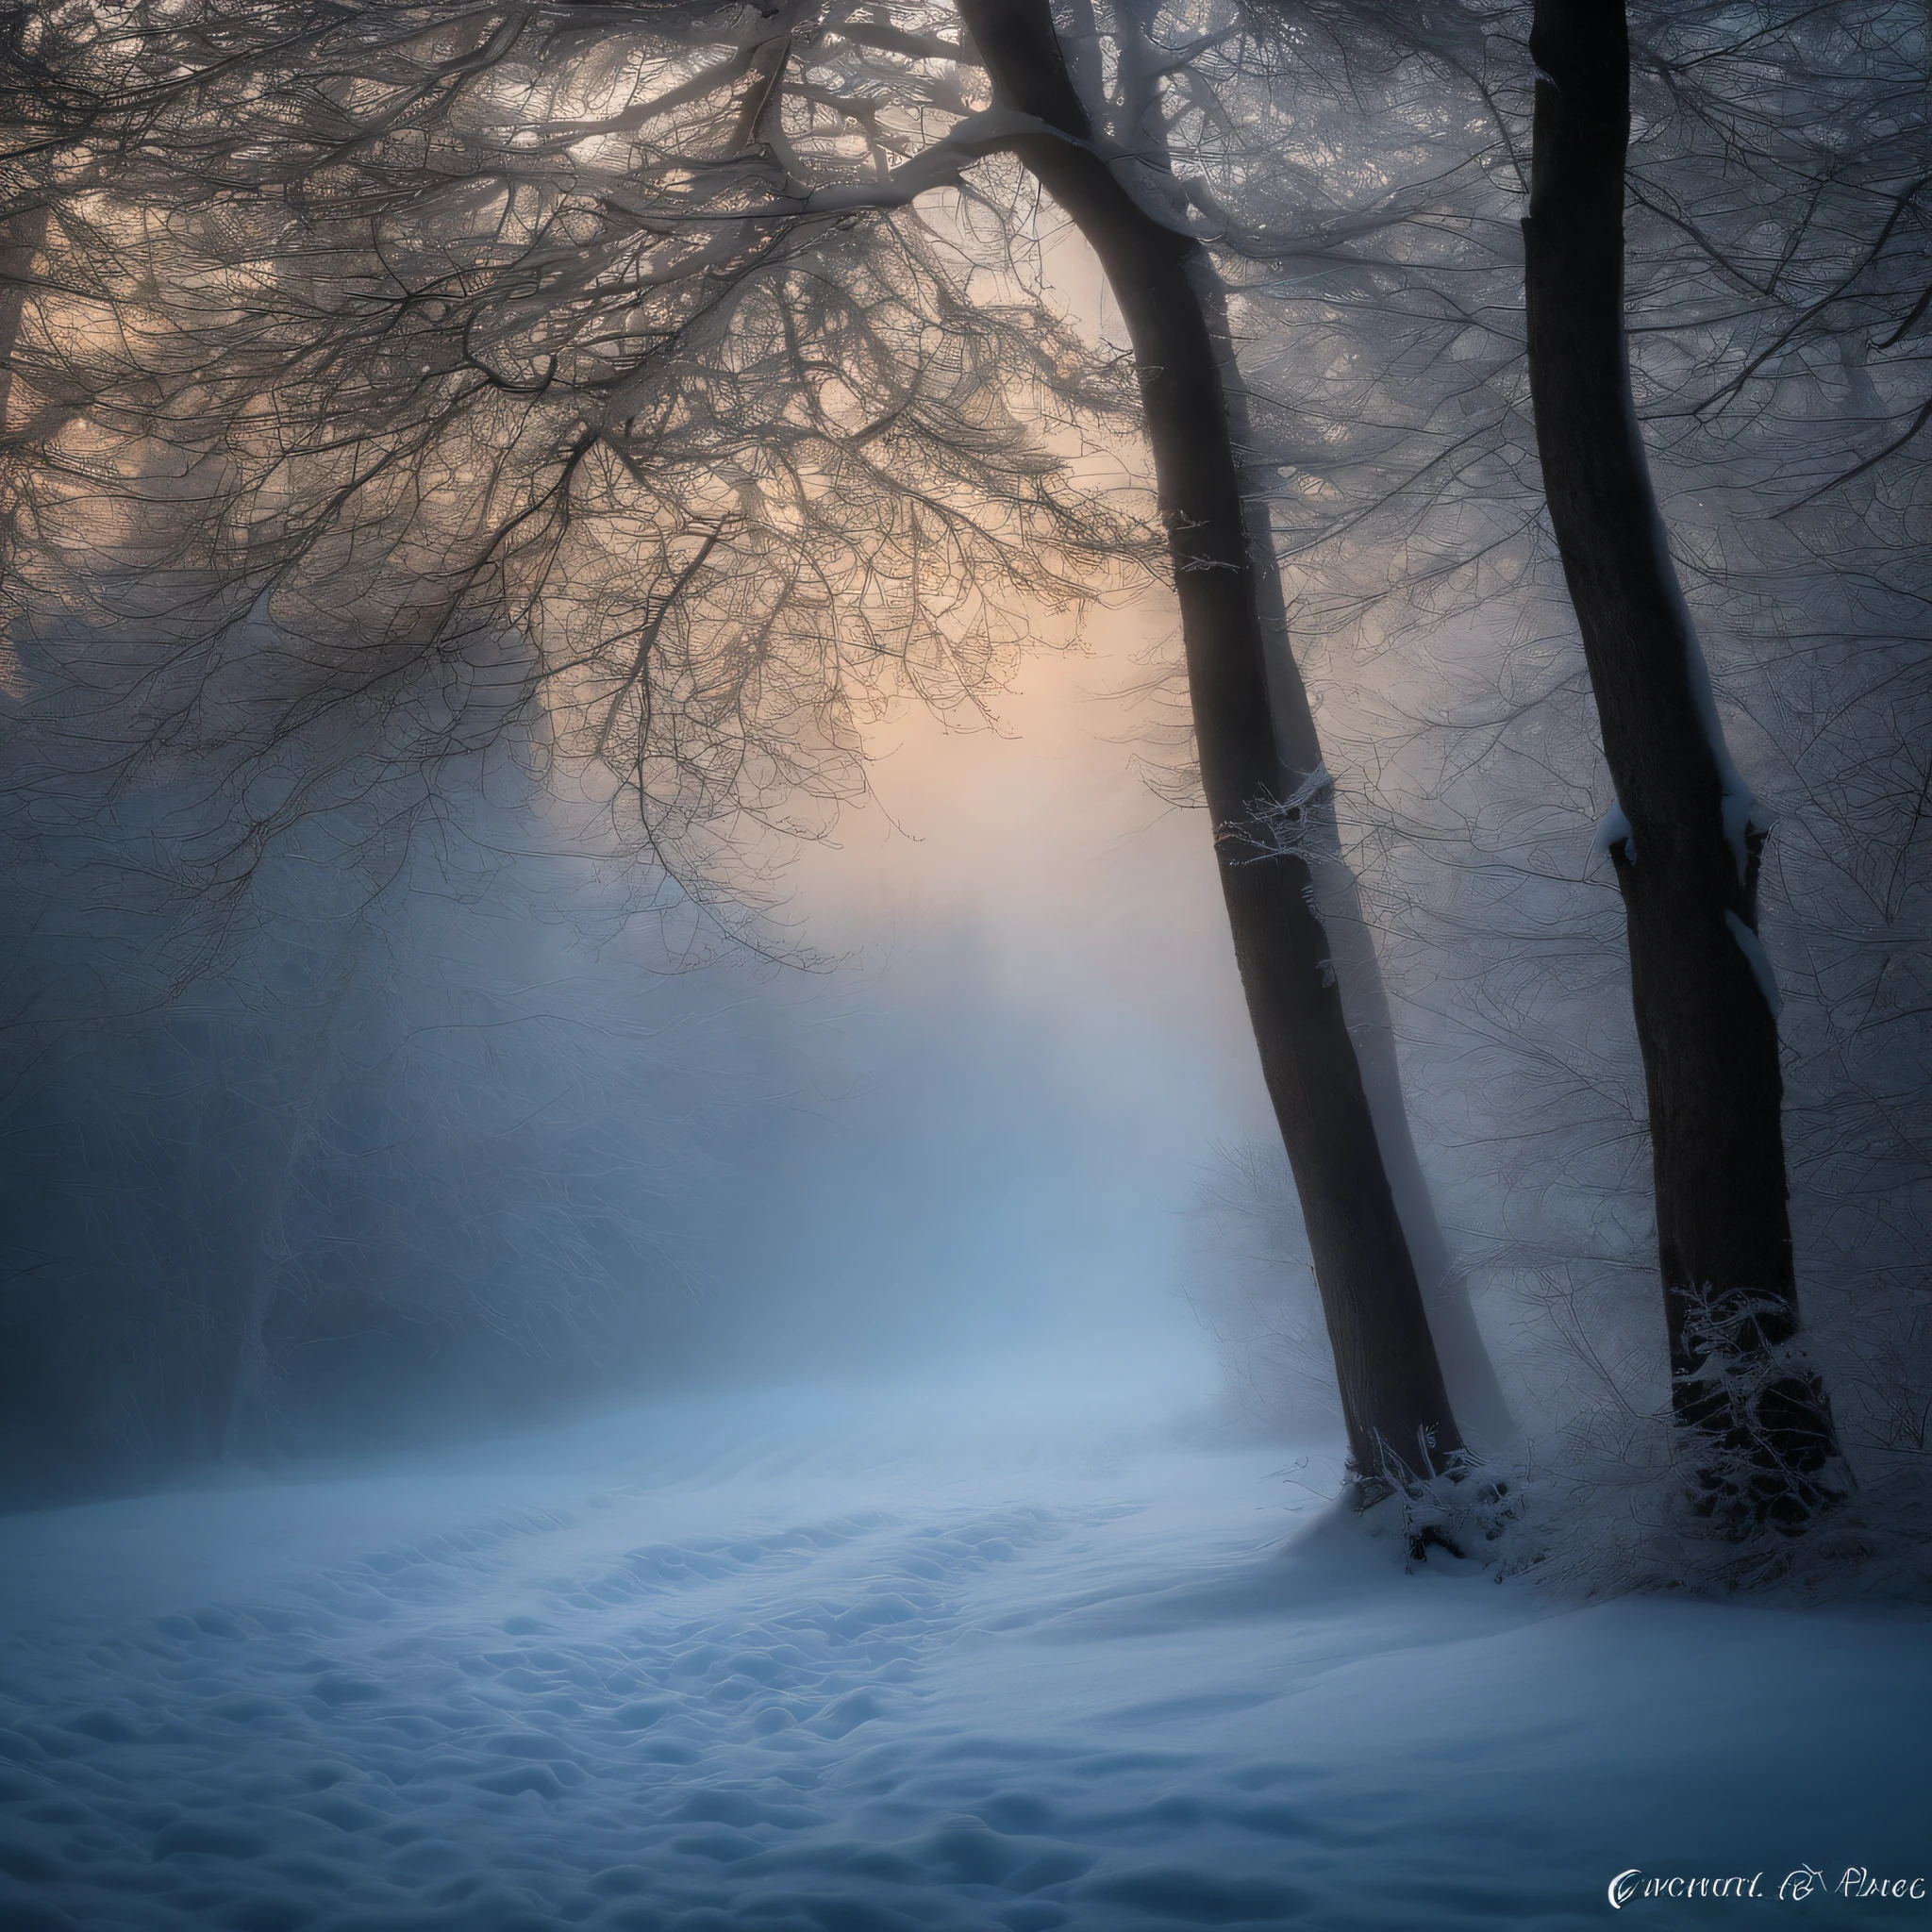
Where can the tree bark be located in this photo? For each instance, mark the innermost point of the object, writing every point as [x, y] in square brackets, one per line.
[1686, 855]
[1393, 1399]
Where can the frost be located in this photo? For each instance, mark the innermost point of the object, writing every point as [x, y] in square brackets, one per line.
[1742, 815]
[1759, 1467]
[1281, 827]
[1613, 829]
[1753, 949]
[1469, 1511]
[1738, 803]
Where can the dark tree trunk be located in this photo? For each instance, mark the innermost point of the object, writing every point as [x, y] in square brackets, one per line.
[1392, 1394]
[1686, 857]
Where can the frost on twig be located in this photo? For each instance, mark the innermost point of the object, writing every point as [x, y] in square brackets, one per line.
[1469, 1509]
[1738, 1453]
[1750, 1403]
[1281, 827]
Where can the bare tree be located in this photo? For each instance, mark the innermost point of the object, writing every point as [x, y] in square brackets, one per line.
[464, 369]
[664, 379]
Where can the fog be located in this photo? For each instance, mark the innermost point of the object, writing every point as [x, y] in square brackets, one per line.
[656, 1273]
[939, 1118]
[1042, 1041]
[929, 1097]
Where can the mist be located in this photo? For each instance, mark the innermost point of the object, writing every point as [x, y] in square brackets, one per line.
[963, 966]
[941, 1123]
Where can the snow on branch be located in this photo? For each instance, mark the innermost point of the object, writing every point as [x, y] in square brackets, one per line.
[1289, 828]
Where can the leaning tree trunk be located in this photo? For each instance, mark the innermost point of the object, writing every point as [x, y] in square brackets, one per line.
[1392, 1396]
[1762, 1447]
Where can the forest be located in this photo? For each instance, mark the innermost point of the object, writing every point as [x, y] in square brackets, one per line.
[963, 963]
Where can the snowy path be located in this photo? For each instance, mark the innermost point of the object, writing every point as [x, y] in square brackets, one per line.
[737, 1667]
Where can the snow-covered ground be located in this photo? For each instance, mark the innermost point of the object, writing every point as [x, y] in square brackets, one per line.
[846, 1663]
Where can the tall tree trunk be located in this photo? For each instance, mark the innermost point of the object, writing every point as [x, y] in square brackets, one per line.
[1392, 1395]
[1475, 1395]
[1685, 851]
